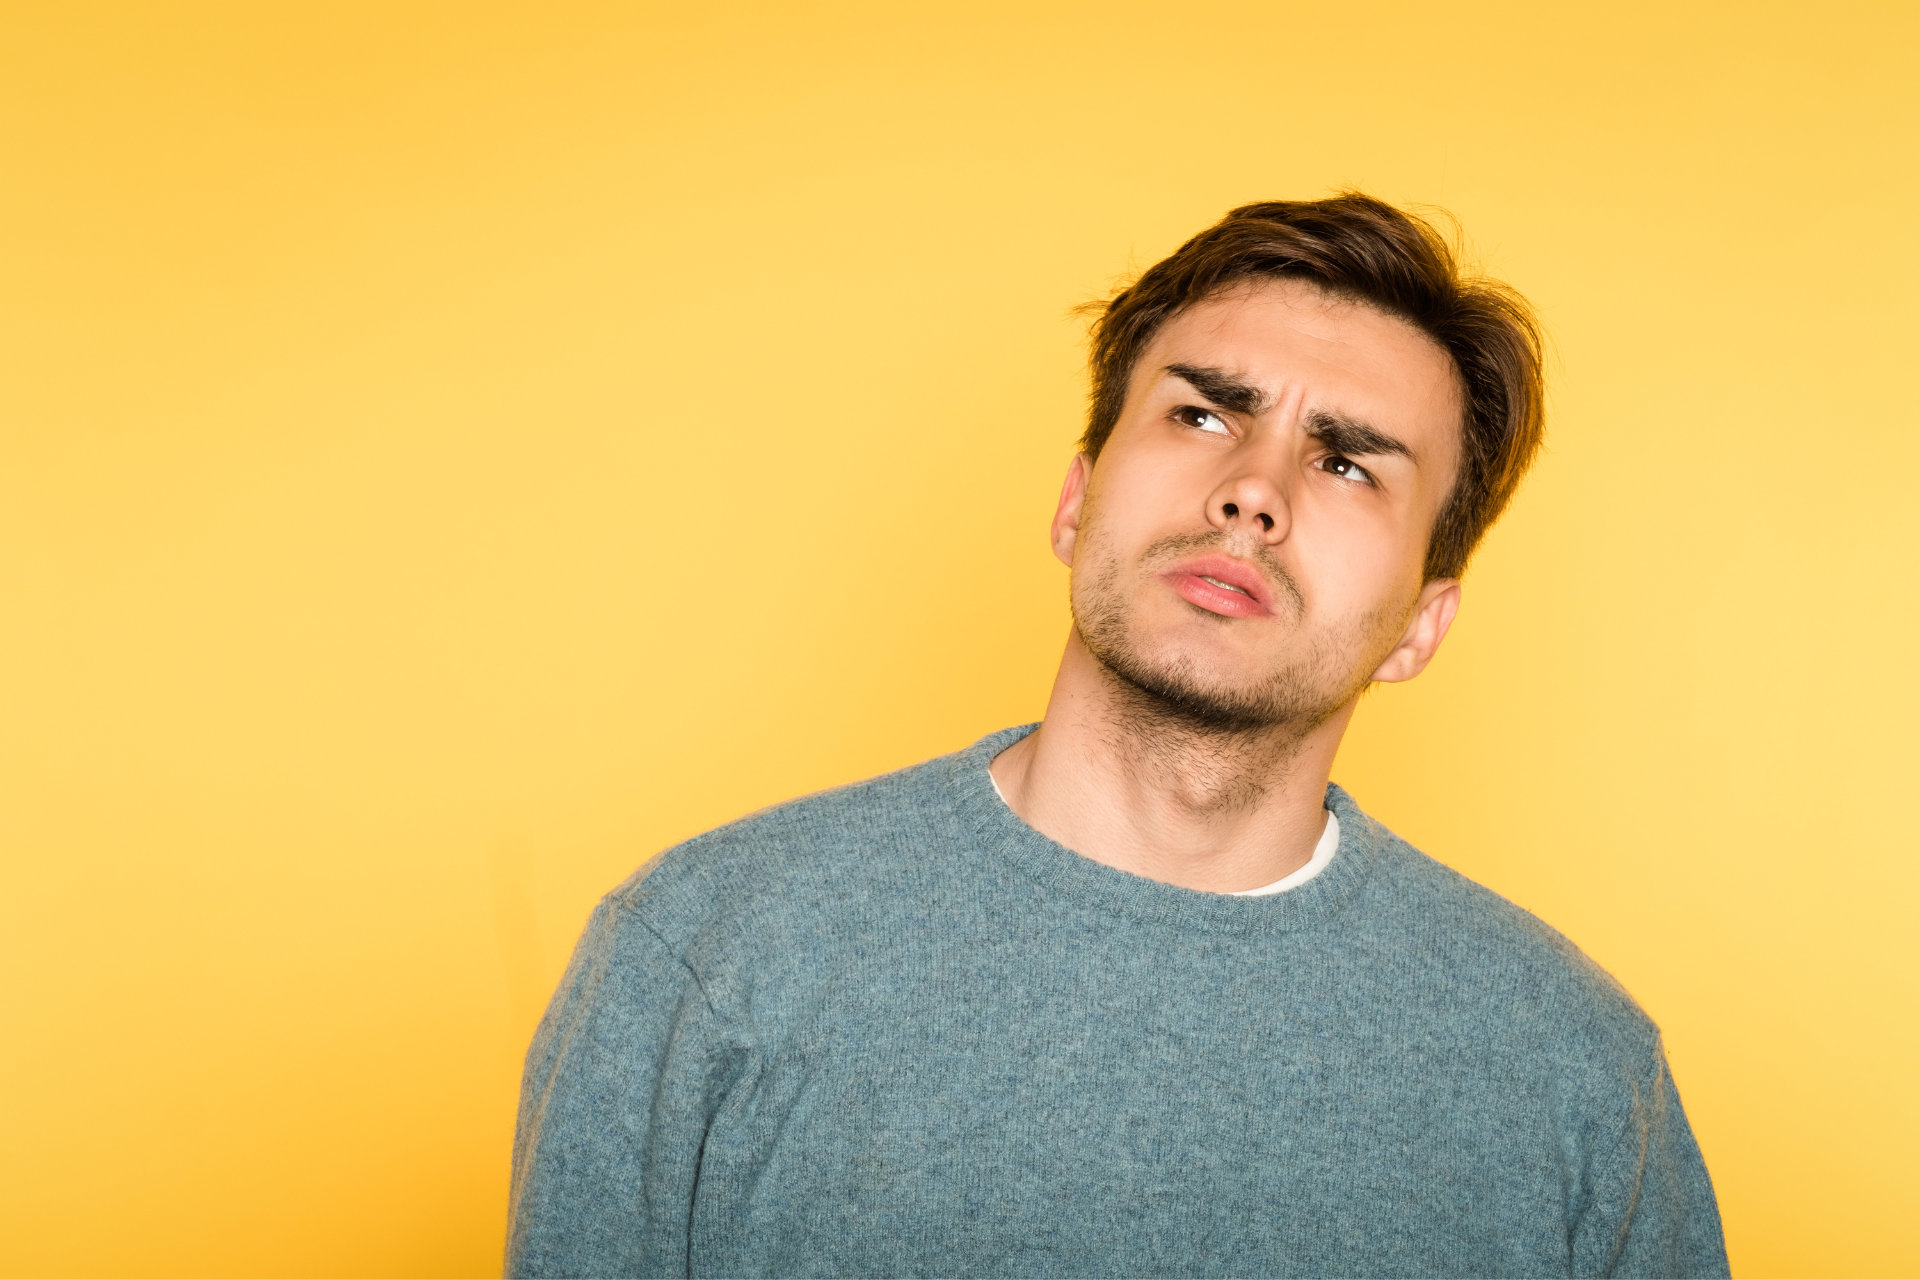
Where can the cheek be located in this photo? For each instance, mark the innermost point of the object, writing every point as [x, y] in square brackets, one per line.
[1361, 567]
[1114, 504]
[1150, 493]
[1353, 549]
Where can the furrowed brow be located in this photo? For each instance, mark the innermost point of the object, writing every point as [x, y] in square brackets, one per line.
[1230, 393]
[1347, 435]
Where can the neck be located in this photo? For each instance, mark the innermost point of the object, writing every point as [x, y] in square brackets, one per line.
[1116, 778]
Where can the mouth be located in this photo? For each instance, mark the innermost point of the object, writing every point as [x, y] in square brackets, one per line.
[1222, 585]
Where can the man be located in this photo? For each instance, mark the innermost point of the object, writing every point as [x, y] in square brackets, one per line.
[1138, 992]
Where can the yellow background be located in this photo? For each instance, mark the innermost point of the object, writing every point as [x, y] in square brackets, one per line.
[451, 451]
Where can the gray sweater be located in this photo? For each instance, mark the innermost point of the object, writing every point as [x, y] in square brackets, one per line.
[890, 1030]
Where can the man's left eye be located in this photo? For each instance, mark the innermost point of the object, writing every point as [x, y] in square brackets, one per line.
[1346, 469]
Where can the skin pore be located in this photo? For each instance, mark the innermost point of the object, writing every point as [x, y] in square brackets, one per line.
[1246, 557]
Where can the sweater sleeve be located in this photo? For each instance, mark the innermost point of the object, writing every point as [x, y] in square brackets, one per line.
[621, 1083]
[1651, 1209]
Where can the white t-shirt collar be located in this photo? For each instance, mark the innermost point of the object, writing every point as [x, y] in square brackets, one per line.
[1322, 854]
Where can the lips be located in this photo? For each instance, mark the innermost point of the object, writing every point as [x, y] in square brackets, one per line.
[1223, 585]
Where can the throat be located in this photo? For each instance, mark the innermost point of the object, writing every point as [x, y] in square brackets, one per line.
[1204, 773]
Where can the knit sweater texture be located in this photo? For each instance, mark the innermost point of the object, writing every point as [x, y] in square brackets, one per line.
[891, 1030]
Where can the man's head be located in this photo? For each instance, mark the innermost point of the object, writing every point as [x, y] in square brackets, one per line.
[1302, 423]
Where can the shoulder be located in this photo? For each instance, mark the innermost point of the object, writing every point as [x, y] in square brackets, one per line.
[832, 851]
[1466, 939]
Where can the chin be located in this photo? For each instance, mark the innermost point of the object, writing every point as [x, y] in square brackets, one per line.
[1203, 692]
[1186, 669]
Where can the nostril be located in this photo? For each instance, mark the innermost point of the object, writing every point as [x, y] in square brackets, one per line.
[1231, 509]
[1266, 522]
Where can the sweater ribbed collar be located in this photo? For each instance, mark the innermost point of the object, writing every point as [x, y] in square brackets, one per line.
[1059, 869]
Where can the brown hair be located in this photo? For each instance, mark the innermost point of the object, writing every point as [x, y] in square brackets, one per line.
[1354, 246]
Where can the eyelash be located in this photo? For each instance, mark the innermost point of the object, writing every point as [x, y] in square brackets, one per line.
[1364, 476]
[1180, 416]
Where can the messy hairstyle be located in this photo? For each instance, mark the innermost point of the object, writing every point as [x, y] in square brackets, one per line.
[1355, 247]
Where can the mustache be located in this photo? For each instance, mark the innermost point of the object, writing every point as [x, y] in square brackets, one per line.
[1178, 546]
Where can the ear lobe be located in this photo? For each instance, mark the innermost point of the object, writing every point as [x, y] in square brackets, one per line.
[1065, 531]
[1433, 614]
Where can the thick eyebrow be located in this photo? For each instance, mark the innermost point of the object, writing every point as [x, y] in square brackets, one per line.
[1336, 431]
[1232, 394]
[1350, 436]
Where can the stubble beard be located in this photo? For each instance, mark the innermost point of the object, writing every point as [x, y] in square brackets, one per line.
[1240, 733]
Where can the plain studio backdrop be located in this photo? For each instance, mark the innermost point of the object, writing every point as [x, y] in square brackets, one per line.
[452, 451]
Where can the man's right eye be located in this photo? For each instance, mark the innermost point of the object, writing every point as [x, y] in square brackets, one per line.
[1199, 419]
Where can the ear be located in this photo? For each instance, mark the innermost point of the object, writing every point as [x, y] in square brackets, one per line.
[1066, 516]
[1432, 615]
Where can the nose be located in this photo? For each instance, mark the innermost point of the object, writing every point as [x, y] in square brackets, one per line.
[1251, 503]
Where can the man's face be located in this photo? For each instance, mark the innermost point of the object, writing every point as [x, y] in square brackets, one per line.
[1248, 548]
